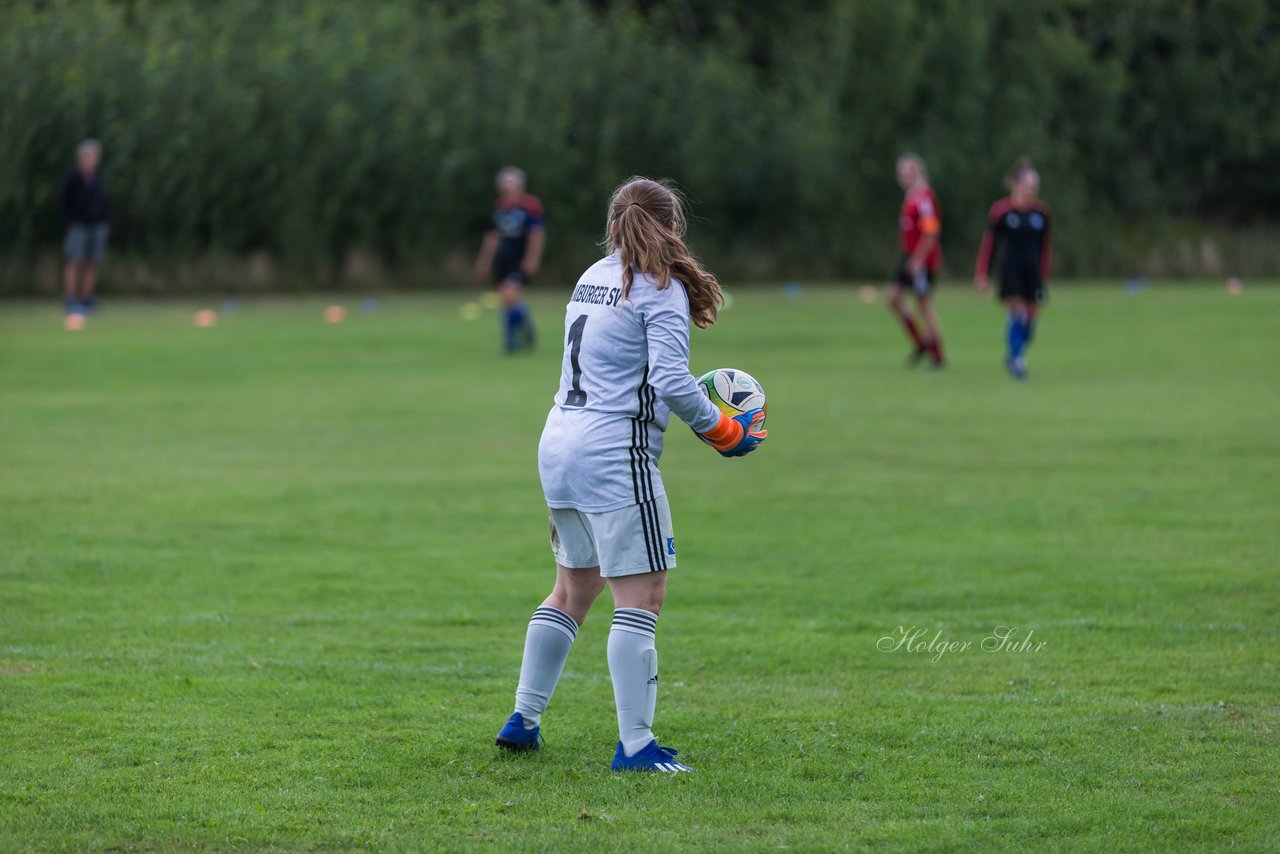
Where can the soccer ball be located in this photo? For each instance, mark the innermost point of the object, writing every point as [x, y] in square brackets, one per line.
[733, 392]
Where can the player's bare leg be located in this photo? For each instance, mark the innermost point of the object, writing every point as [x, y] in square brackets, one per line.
[574, 592]
[88, 283]
[896, 298]
[645, 590]
[934, 344]
[70, 285]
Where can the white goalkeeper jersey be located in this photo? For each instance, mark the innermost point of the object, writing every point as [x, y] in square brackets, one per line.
[625, 370]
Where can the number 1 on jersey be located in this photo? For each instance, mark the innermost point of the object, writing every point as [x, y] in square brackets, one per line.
[576, 396]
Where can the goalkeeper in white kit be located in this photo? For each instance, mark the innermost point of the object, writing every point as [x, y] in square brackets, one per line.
[625, 370]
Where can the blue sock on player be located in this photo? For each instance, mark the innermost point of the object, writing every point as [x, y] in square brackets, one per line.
[519, 324]
[511, 319]
[526, 322]
[1016, 334]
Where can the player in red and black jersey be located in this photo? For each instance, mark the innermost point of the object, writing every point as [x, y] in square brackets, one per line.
[919, 225]
[512, 253]
[1021, 225]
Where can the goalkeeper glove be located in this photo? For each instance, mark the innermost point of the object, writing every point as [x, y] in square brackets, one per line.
[737, 436]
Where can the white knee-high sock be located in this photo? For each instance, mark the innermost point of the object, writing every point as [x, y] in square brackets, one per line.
[633, 664]
[546, 646]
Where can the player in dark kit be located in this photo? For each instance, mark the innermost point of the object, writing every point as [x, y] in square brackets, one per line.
[1021, 225]
[512, 252]
[83, 201]
[919, 224]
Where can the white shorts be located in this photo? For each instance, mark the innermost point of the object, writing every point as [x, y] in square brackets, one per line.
[629, 541]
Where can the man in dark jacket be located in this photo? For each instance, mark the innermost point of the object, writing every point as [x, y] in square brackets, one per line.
[83, 201]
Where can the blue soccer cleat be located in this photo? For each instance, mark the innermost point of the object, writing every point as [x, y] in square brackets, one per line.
[651, 757]
[513, 735]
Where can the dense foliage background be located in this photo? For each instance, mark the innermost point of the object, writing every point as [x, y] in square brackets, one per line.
[326, 143]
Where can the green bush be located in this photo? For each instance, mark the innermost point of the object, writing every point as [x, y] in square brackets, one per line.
[310, 132]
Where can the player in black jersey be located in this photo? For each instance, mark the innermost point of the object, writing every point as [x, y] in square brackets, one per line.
[512, 252]
[1020, 225]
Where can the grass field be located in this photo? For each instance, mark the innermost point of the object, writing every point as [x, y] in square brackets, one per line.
[266, 585]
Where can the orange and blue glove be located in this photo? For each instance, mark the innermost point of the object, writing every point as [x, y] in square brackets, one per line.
[737, 436]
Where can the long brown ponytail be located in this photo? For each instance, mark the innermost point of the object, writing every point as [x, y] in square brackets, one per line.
[646, 228]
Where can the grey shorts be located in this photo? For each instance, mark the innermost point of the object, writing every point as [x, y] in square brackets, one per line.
[629, 541]
[85, 242]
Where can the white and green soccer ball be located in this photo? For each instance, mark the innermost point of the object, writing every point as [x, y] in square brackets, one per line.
[733, 391]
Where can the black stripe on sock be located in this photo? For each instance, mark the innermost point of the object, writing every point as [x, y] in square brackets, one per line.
[636, 614]
[649, 622]
[560, 621]
[547, 609]
[552, 615]
[635, 621]
[651, 628]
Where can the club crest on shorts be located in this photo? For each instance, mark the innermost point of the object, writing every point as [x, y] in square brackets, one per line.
[671, 545]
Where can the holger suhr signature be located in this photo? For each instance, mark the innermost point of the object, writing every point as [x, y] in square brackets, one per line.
[926, 641]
